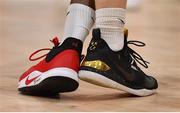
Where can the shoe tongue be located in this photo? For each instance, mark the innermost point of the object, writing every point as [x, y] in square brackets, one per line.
[96, 33]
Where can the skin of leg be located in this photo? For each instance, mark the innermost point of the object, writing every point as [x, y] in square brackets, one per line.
[111, 4]
[90, 3]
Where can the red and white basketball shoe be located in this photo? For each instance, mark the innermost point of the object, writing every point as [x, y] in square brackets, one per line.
[58, 72]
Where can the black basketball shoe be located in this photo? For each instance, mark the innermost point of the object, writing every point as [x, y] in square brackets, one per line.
[105, 67]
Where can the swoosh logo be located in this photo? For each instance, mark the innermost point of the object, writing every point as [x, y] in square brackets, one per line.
[127, 75]
[28, 81]
[92, 19]
[67, 13]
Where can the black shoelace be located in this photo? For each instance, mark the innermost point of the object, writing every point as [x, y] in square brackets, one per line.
[134, 55]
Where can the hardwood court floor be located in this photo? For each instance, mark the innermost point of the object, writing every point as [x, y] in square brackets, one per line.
[27, 25]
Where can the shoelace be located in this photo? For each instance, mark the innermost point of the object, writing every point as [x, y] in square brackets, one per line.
[55, 41]
[134, 55]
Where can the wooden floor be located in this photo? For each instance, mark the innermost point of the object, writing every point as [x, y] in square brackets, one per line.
[27, 25]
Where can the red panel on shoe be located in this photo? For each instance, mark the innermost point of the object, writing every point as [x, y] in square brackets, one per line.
[68, 58]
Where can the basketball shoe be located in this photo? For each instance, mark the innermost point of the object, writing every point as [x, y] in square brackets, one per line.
[118, 70]
[57, 72]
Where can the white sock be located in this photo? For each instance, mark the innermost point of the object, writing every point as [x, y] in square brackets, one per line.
[80, 18]
[111, 22]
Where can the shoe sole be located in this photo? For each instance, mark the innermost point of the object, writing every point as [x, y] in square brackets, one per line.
[58, 80]
[100, 80]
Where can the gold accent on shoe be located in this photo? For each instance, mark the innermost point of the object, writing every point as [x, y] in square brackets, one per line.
[97, 64]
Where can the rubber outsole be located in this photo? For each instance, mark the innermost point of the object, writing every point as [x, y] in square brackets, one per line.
[52, 86]
[100, 80]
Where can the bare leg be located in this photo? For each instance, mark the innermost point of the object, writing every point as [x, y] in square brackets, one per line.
[90, 3]
[111, 4]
